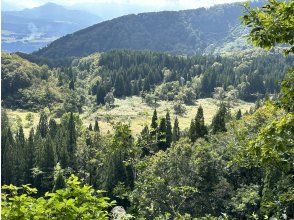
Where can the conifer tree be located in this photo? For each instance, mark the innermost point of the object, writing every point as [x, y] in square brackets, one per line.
[59, 182]
[100, 94]
[29, 155]
[161, 139]
[71, 85]
[47, 164]
[218, 121]
[169, 134]
[71, 141]
[192, 131]
[144, 141]
[19, 158]
[200, 128]
[7, 156]
[90, 127]
[43, 125]
[154, 125]
[96, 126]
[53, 127]
[239, 114]
[119, 86]
[176, 130]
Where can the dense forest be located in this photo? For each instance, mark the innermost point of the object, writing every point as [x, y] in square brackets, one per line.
[196, 31]
[100, 77]
[238, 166]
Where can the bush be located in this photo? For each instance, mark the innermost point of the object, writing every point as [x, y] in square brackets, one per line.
[73, 202]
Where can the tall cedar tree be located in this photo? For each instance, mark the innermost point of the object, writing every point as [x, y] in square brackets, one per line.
[169, 134]
[71, 141]
[53, 128]
[176, 130]
[43, 124]
[29, 155]
[96, 126]
[119, 86]
[161, 139]
[218, 121]
[7, 156]
[192, 130]
[154, 124]
[19, 157]
[71, 85]
[201, 129]
[239, 114]
[48, 162]
[144, 141]
[100, 94]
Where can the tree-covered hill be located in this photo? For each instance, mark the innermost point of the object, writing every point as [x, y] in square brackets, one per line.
[95, 79]
[179, 32]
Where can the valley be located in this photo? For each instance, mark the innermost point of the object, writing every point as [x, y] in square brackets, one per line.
[185, 115]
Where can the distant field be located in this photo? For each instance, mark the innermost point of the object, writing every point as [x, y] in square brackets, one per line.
[133, 111]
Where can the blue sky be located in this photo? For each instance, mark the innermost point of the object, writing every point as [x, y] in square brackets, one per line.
[159, 4]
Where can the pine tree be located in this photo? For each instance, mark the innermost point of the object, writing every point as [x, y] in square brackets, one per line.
[200, 128]
[100, 94]
[7, 156]
[47, 164]
[119, 86]
[43, 125]
[169, 134]
[71, 141]
[192, 131]
[144, 141]
[90, 127]
[29, 155]
[71, 85]
[176, 130]
[161, 139]
[19, 169]
[96, 126]
[154, 124]
[239, 114]
[218, 121]
[53, 127]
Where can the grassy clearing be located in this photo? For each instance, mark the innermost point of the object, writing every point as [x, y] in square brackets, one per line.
[138, 114]
[19, 117]
[133, 111]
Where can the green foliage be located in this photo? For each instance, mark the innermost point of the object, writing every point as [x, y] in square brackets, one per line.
[218, 122]
[76, 201]
[162, 185]
[272, 24]
[176, 131]
[197, 127]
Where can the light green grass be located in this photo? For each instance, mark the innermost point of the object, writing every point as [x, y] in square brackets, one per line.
[133, 111]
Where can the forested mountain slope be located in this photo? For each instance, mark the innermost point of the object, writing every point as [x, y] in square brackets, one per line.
[181, 32]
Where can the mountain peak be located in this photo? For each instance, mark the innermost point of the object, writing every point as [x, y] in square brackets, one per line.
[50, 5]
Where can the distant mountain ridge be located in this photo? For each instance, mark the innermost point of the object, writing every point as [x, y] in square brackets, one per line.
[31, 29]
[188, 32]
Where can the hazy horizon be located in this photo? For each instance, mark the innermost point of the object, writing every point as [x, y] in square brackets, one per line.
[113, 8]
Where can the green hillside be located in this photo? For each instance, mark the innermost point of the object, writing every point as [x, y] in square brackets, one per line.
[187, 32]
